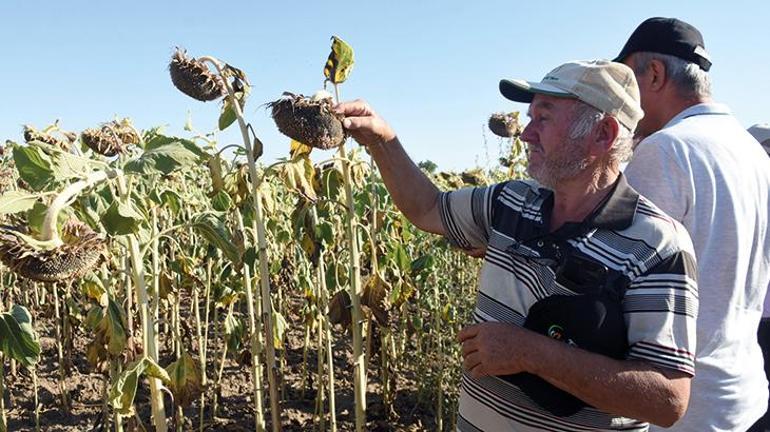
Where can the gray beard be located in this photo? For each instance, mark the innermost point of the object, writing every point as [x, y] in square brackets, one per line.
[567, 164]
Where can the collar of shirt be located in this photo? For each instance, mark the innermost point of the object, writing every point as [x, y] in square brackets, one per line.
[615, 212]
[706, 108]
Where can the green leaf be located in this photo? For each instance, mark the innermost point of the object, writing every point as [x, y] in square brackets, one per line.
[250, 256]
[234, 331]
[401, 259]
[221, 201]
[162, 160]
[16, 201]
[34, 166]
[227, 115]
[123, 390]
[340, 61]
[114, 329]
[173, 200]
[122, 218]
[424, 262]
[18, 339]
[214, 231]
[154, 139]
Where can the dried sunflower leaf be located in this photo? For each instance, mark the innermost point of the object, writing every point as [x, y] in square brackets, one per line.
[185, 380]
[340, 62]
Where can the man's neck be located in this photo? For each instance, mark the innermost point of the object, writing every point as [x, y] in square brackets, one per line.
[676, 105]
[575, 199]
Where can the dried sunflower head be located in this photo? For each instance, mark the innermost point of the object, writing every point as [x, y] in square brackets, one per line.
[126, 133]
[82, 251]
[308, 120]
[32, 134]
[106, 140]
[505, 125]
[193, 78]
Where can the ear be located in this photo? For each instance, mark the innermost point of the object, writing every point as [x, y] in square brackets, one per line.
[656, 75]
[605, 134]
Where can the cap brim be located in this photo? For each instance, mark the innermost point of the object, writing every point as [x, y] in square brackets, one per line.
[525, 91]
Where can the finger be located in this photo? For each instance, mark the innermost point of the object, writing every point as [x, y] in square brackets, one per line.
[467, 333]
[477, 253]
[355, 123]
[471, 361]
[356, 108]
[469, 346]
[478, 372]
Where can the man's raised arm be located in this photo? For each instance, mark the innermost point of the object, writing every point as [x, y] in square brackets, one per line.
[414, 194]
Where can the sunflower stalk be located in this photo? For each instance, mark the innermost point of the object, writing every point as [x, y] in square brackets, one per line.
[259, 226]
[359, 371]
[148, 329]
[255, 345]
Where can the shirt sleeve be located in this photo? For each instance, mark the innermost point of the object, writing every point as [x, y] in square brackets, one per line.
[657, 172]
[467, 215]
[661, 309]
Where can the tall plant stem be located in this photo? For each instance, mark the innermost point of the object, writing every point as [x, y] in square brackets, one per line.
[324, 307]
[254, 332]
[63, 198]
[359, 371]
[59, 350]
[201, 343]
[148, 328]
[33, 370]
[259, 226]
[221, 368]
[3, 420]
[178, 352]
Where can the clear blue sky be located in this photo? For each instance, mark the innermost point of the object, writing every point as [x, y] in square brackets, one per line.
[429, 67]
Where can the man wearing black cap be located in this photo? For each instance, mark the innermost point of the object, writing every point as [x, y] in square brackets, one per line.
[569, 331]
[698, 164]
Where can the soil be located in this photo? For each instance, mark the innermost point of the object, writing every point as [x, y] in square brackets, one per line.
[235, 407]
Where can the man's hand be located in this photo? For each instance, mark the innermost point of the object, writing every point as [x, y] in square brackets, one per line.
[493, 348]
[365, 125]
[475, 252]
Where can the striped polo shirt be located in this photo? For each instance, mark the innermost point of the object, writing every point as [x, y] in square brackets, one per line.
[642, 250]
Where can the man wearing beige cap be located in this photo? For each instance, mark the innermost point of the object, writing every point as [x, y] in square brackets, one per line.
[698, 164]
[572, 329]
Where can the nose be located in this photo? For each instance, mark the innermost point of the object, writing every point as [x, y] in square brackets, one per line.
[528, 134]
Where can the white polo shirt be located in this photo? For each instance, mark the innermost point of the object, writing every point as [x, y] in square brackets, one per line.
[707, 172]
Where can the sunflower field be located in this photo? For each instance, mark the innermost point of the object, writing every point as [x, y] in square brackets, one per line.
[151, 282]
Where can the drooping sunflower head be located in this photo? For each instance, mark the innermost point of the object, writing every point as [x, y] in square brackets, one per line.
[193, 78]
[83, 250]
[311, 121]
[106, 140]
[32, 134]
[505, 125]
[126, 133]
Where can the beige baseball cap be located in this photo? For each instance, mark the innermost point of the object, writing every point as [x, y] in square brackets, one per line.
[605, 85]
[761, 133]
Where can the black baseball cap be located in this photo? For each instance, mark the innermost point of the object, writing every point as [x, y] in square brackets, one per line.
[668, 36]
